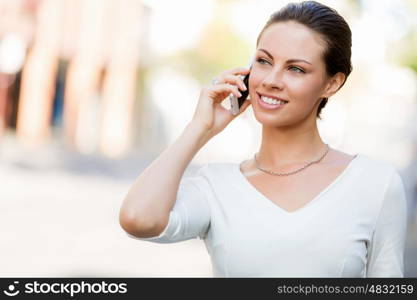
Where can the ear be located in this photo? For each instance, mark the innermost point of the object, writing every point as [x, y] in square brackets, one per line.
[333, 84]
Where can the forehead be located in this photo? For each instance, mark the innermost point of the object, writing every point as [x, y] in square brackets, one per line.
[292, 40]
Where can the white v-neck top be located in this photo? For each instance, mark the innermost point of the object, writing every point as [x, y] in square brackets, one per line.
[355, 227]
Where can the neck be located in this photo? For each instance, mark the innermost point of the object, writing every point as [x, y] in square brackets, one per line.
[289, 147]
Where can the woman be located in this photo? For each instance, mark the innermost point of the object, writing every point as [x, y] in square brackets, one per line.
[299, 208]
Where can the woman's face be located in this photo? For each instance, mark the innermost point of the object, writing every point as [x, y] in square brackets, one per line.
[301, 83]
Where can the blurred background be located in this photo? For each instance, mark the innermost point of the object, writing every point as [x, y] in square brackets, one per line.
[92, 91]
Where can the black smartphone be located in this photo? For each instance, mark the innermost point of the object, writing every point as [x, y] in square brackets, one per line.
[236, 103]
[245, 93]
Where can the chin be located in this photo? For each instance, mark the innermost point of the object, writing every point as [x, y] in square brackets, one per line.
[268, 119]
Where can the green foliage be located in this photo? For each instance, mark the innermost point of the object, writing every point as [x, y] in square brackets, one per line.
[408, 56]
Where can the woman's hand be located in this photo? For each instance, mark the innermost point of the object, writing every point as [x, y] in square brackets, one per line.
[210, 115]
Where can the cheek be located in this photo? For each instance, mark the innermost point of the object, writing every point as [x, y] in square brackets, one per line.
[302, 87]
[254, 79]
[254, 84]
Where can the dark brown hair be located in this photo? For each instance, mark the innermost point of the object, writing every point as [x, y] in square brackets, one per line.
[330, 25]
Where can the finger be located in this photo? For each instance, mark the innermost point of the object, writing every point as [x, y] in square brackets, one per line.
[242, 108]
[226, 87]
[235, 80]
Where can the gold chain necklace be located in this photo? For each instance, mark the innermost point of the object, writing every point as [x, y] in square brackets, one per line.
[285, 174]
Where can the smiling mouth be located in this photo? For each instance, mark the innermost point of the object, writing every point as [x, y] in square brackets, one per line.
[271, 101]
[276, 98]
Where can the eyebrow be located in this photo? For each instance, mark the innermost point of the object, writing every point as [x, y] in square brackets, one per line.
[288, 61]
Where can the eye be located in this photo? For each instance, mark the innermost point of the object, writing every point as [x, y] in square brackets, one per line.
[263, 61]
[296, 68]
[259, 60]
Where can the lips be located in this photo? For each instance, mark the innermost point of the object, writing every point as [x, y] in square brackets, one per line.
[273, 97]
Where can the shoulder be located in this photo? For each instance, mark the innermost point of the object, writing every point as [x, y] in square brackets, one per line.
[208, 168]
[341, 157]
[217, 170]
[378, 166]
[210, 177]
[370, 171]
[380, 176]
[381, 184]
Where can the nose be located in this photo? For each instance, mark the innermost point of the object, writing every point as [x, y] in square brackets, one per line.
[273, 81]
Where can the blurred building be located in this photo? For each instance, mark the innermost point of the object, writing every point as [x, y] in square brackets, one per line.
[71, 65]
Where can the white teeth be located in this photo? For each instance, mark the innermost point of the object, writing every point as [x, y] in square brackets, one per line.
[271, 101]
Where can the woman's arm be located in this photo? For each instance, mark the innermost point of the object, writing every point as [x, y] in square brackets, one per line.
[145, 209]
